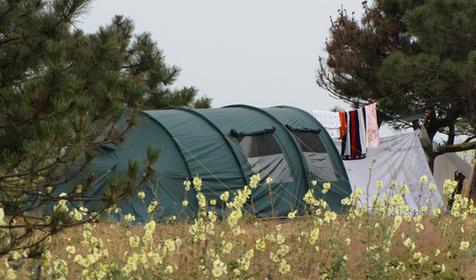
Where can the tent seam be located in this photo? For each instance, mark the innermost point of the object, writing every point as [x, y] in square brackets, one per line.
[173, 140]
[207, 120]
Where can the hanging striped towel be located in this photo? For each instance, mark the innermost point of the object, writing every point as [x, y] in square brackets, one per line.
[354, 142]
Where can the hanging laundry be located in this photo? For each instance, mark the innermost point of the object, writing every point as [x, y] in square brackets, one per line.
[373, 136]
[330, 121]
[354, 143]
[343, 125]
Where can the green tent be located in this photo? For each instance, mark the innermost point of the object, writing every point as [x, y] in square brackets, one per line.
[224, 147]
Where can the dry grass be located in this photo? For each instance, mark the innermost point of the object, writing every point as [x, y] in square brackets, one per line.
[307, 265]
[388, 242]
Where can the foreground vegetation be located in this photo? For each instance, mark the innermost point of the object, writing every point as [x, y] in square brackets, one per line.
[65, 95]
[386, 242]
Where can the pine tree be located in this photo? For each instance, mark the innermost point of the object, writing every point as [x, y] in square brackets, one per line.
[62, 94]
[409, 56]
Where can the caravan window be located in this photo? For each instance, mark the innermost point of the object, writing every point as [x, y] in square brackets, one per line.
[265, 157]
[318, 160]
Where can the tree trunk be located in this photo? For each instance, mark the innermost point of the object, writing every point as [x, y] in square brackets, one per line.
[451, 135]
[472, 183]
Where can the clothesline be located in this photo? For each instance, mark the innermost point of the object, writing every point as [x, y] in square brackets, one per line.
[358, 129]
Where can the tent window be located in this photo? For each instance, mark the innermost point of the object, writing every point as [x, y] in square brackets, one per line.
[317, 158]
[265, 157]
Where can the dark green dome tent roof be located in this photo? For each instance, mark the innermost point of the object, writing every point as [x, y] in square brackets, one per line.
[224, 147]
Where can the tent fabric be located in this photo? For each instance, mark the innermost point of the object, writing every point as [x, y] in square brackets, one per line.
[398, 158]
[446, 165]
[224, 147]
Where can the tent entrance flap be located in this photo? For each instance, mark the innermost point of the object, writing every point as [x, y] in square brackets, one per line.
[236, 133]
[302, 129]
[265, 157]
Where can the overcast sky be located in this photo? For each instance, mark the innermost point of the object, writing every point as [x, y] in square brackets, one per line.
[256, 52]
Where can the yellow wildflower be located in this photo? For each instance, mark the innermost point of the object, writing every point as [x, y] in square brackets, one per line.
[197, 183]
[449, 186]
[170, 245]
[396, 199]
[284, 267]
[314, 235]
[464, 245]
[254, 181]
[76, 215]
[149, 229]
[292, 214]
[202, 201]
[70, 249]
[424, 179]
[225, 196]
[169, 269]
[346, 201]
[409, 244]
[187, 185]
[129, 218]
[134, 241]
[227, 246]
[404, 189]
[329, 216]
[152, 206]
[260, 245]
[219, 268]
